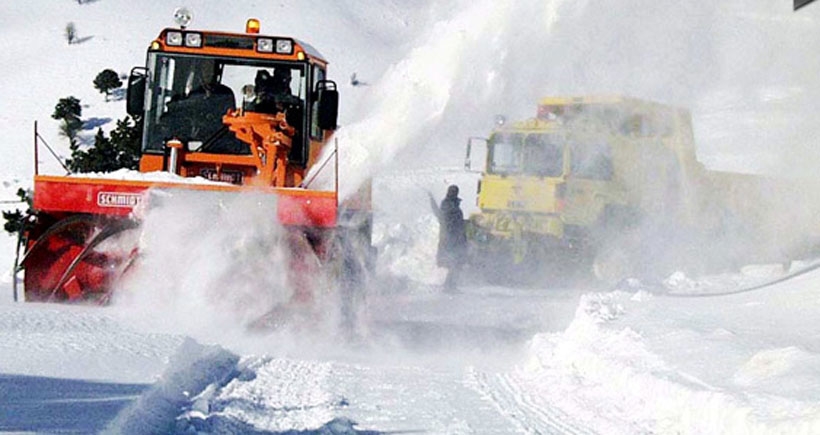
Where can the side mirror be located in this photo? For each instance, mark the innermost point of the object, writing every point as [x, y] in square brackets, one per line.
[135, 96]
[327, 99]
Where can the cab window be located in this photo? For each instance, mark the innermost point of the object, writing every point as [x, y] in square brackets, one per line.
[543, 156]
[505, 153]
[315, 131]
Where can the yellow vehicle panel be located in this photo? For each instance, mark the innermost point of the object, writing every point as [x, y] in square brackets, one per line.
[513, 225]
[519, 194]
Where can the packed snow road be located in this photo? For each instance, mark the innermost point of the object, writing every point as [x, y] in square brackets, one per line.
[487, 360]
[421, 362]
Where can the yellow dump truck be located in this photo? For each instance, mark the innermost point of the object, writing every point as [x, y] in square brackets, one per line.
[612, 184]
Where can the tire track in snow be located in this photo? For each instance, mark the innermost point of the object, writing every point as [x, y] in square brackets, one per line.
[526, 413]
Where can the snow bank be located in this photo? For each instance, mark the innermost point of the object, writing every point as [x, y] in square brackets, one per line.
[268, 394]
[191, 370]
[778, 369]
[750, 275]
[596, 361]
[207, 389]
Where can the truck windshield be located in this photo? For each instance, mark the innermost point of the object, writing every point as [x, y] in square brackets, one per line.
[505, 153]
[536, 154]
[188, 96]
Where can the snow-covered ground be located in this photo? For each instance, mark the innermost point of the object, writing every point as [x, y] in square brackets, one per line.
[691, 355]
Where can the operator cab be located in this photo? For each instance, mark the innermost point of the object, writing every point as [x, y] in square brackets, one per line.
[193, 79]
[190, 95]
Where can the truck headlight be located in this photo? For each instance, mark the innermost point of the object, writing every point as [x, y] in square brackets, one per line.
[264, 45]
[193, 40]
[173, 38]
[284, 46]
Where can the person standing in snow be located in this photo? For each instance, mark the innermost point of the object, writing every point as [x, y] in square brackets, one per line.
[452, 241]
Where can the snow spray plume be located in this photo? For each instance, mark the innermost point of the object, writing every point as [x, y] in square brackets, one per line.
[492, 57]
[210, 263]
[743, 68]
[446, 87]
[743, 104]
[698, 221]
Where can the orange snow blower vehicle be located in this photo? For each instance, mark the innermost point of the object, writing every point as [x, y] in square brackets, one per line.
[222, 112]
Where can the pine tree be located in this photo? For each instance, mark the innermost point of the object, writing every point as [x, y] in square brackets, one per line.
[70, 33]
[68, 107]
[16, 220]
[121, 150]
[106, 81]
[69, 110]
[127, 140]
[98, 158]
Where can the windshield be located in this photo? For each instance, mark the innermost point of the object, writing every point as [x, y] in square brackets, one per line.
[189, 95]
[505, 153]
[533, 154]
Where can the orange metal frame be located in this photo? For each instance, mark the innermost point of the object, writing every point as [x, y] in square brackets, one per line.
[299, 53]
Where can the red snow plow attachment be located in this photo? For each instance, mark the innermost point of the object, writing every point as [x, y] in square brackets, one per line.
[85, 235]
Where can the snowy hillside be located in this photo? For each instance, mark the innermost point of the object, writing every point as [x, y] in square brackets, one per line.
[693, 355]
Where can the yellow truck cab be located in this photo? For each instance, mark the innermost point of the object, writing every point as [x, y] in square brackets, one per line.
[555, 187]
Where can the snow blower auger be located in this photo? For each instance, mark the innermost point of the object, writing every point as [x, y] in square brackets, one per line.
[198, 135]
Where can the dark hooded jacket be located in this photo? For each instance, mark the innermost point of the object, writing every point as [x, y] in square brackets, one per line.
[452, 242]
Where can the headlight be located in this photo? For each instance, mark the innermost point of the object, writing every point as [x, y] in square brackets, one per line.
[173, 38]
[193, 40]
[284, 46]
[264, 45]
